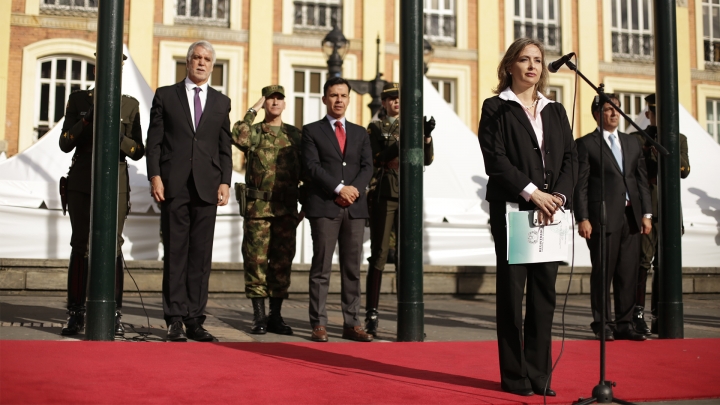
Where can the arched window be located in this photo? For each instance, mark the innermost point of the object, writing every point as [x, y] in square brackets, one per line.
[57, 77]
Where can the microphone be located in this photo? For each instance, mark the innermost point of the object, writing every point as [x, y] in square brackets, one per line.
[553, 67]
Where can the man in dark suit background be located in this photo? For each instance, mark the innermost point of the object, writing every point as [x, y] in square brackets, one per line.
[189, 164]
[337, 159]
[629, 212]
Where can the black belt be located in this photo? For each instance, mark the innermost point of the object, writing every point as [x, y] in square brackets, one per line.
[270, 196]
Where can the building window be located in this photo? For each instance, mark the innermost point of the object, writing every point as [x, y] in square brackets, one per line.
[69, 7]
[713, 118]
[439, 16]
[320, 15]
[554, 93]
[631, 104]
[632, 32]
[58, 76]
[446, 88]
[711, 30]
[205, 12]
[538, 19]
[218, 78]
[307, 95]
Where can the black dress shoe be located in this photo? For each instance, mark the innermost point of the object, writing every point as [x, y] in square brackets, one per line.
[548, 392]
[199, 334]
[629, 334]
[75, 323]
[639, 321]
[609, 335]
[176, 333]
[523, 392]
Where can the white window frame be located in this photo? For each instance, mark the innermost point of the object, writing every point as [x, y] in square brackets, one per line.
[306, 95]
[711, 37]
[223, 87]
[316, 4]
[55, 6]
[188, 19]
[712, 126]
[645, 28]
[439, 84]
[52, 82]
[631, 110]
[442, 13]
[521, 22]
[558, 91]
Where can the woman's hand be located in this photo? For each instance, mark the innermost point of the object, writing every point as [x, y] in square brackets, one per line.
[547, 205]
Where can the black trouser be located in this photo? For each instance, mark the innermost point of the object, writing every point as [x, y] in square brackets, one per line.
[79, 210]
[524, 348]
[622, 256]
[188, 227]
[648, 259]
[384, 216]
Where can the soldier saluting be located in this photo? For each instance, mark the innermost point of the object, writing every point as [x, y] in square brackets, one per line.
[77, 135]
[273, 173]
[385, 143]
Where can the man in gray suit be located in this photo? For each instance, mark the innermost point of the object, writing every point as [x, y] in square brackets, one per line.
[337, 159]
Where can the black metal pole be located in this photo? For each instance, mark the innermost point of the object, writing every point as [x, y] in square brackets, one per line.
[410, 275]
[376, 84]
[106, 148]
[670, 306]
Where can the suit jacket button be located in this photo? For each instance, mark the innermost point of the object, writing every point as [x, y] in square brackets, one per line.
[342, 181]
[344, 164]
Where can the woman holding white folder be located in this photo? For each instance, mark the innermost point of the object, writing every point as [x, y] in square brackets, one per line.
[530, 158]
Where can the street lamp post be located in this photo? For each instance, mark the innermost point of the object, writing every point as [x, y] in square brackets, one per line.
[428, 52]
[335, 46]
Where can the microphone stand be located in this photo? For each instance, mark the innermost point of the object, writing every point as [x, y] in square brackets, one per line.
[602, 393]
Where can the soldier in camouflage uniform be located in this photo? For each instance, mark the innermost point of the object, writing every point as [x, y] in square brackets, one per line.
[272, 150]
[77, 134]
[385, 143]
[648, 257]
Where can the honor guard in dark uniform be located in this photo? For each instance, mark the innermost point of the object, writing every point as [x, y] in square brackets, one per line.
[272, 151]
[648, 257]
[77, 135]
[385, 142]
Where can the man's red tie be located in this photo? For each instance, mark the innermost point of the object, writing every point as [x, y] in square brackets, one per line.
[340, 134]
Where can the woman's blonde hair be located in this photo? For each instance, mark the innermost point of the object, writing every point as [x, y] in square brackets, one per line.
[511, 56]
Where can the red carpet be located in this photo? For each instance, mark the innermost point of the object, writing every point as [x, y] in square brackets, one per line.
[38, 372]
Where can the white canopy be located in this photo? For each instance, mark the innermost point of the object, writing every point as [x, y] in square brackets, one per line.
[455, 228]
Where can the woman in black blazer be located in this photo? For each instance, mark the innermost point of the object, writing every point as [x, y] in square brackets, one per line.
[530, 158]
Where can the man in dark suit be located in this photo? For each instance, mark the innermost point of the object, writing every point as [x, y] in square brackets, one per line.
[337, 159]
[189, 164]
[629, 212]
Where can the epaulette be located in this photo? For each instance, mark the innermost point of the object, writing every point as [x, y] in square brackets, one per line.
[77, 91]
[129, 96]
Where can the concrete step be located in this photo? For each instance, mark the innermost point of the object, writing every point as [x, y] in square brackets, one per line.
[30, 275]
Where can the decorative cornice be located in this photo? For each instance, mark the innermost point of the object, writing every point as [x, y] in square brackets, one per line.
[308, 40]
[709, 74]
[440, 52]
[55, 21]
[628, 68]
[196, 31]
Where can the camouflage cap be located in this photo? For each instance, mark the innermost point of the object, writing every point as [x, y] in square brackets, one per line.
[266, 91]
[390, 90]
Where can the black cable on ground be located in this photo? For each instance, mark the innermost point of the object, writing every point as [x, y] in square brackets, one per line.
[143, 336]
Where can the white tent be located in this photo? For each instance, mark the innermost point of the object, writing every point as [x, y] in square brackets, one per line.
[455, 213]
